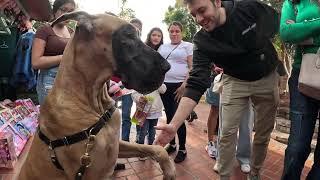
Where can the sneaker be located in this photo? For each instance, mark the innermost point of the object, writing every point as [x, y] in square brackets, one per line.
[181, 156]
[170, 148]
[143, 158]
[119, 166]
[253, 177]
[211, 149]
[215, 167]
[245, 168]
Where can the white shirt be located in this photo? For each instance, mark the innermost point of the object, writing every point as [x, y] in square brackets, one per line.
[177, 60]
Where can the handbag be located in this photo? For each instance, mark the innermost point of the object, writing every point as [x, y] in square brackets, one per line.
[309, 77]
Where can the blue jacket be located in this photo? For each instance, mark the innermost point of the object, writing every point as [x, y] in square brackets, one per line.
[23, 73]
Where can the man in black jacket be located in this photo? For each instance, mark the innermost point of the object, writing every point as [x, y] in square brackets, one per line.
[236, 37]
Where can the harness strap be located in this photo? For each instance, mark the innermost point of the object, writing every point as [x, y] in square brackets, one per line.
[75, 138]
[80, 172]
[55, 160]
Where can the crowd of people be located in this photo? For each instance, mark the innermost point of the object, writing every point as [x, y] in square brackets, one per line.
[234, 41]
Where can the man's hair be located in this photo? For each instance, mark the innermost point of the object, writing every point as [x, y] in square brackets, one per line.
[191, 1]
[136, 20]
[187, 1]
[176, 23]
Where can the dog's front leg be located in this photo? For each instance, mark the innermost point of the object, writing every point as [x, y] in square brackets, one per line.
[158, 153]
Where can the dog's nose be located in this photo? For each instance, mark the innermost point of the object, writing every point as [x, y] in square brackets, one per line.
[165, 66]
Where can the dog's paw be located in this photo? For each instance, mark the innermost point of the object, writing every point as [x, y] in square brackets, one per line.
[166, 163]
[169, 170]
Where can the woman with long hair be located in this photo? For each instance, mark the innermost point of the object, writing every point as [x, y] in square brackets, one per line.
[154, 38]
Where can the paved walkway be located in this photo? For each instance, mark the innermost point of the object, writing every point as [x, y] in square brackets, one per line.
[197, 166]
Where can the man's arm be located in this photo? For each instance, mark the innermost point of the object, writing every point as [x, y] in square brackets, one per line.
[199, 76]
[197, 83]
[185, 107]
[168, 132]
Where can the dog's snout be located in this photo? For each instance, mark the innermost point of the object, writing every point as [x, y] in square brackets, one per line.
[165, 66]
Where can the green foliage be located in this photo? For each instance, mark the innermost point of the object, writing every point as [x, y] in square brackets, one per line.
[126, 13]
[179, 13]
[37, 24]
[282, 48]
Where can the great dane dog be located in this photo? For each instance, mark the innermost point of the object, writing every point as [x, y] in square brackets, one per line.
[79, 126]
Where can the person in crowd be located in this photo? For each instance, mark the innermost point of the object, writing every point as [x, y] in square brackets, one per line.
[126, 100]
[213, 100]
[154, 38]
[300, 25]
[245, 129]
[244, 140]
[249, 61]
[48, 46]
[179, 54]
[153, 114]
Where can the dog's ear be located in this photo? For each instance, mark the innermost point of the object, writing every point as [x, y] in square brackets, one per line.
[84, 20]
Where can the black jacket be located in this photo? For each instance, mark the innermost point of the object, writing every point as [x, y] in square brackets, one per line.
[242, 46]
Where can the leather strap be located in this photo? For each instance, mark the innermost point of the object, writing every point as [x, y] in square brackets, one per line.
[75, 138]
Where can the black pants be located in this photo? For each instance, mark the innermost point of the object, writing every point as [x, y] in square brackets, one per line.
[170, 106]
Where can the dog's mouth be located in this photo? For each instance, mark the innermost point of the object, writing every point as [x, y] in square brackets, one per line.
[143, 89]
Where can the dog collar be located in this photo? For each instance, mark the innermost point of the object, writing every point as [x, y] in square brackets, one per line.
[75, 138]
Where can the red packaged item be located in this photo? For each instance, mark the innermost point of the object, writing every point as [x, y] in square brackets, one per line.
[142, 109]
[7, 151]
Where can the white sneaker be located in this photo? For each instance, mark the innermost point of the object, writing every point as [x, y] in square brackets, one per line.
[215, 167]
[245, 168]
[211, 149]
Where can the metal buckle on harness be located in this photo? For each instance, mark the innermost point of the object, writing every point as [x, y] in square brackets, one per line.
[51, 152]
[85, 160]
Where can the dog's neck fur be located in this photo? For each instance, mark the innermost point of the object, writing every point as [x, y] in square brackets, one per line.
[80, 83]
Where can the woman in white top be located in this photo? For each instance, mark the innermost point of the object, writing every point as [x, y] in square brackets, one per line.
[179, 54]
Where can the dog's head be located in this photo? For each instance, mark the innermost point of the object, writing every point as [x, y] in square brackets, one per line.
[115, 43]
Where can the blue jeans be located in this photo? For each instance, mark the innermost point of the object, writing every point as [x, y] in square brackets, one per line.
[45, 82]
[245, 137]
[126, 120]
[148, 127]
[303, 115]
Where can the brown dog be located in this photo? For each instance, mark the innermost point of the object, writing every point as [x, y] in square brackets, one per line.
[101, 46]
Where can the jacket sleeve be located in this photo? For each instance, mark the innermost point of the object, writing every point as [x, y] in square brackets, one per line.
[299, 31]
[199, 76]
[135, 96]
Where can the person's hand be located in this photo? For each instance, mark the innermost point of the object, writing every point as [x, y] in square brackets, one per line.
[166, 134]
[218, 70]
[290, 21]
[4, 4]
[179, 92]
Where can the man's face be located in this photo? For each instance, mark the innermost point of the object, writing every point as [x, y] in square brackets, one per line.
[205, 13]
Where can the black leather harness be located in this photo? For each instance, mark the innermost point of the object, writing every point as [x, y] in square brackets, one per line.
[87, 134]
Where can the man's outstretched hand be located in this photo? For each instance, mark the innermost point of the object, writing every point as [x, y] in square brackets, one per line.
[166, 134]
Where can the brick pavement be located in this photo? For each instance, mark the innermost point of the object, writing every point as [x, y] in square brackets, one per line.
[197, 166]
